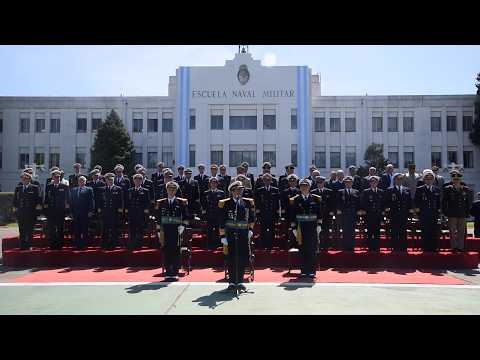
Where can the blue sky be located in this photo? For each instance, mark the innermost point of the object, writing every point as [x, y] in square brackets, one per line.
[144, 70]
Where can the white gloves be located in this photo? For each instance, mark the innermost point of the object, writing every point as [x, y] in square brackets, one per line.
[319, 229]
[294, 232]
[250, 234]
[224, 241]
[181, 229]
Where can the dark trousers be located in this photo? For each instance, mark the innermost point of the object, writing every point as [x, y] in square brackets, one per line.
[267, 232]
[429, 228]
[26, 223]
[348, 221]
[308, 249]
[171, 250]
[398, 223]
[238, 255]
[110, 229]
[213, 239]
[80, 230]
[325, 232]
[476, 231]
[55, 227]
[373, 222]
[136, 228]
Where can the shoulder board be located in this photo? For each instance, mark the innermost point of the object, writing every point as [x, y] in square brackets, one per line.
[250, 200]
[222, 202]
[292, 199]
[182, 200]
[161, 200]
[318, 197]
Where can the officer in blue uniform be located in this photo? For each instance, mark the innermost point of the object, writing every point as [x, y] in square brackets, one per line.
[56, 205]
[348, 204]
[428, 206]
[267, 203]
[190, 189]
[399, 206]
[97, 185]
[202, 179]
[110, 210]
[137, 206]
[121, 180]
[372, 202]
[157, 177]
[26, 203]
[82, 205]
[283, 179]
[327, 209]
[173, 216]
[286, 211]
[212, 212]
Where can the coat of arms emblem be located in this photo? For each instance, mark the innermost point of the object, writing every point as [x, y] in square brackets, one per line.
[243, 74]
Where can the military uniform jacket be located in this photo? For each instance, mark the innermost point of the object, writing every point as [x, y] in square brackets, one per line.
[358, 183]
[428, 201]
[27, 200]
[327, 200]
[148, 184]
[111, 199]
[123, 182]
[73, 180]
[82, 200]
[457, 203]
[210, 201]
[224, 182]
[267, 202]
[259, 183]
[283, 182]
[160, 191]
[172, 214]
[57, 197]
[191, 191]
[157, 178]
[306, 210]
[348, 203]
[335, 185]
[137, 201]
[97, 187]
[373, 202]
[202, 182]
[398, 203]
[287, 208]
[385, 181]
[237, 218]
[475, 210]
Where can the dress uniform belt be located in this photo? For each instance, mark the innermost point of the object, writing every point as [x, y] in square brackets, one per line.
[303, 218]
[171, 220]
[236, 224]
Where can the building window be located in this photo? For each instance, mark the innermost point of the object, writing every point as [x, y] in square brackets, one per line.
[468, 159]
[237, 157]
[23, 158]
[319, 124]
[24, 124]
[335, 124]
[377, 124]
[393, 124]
[216, 122]
[55, 125]
[191, 156]
[40, 124]
[294, 155]
[81, 123]
[350, 157]
[96, 123]
[216, 157]
[408, 158]
[243, 122]
[193, 119]
[269, 122]
[167, 156]
[39, 156]
[393, 158]
[467, 122]
[320, 159]
[54, 157]
[293, 120]
[152, 125]
[408, 124]
[452, 156]
[350, 124]
[152, 159]
[335, 159]
[437, 158]
[451, 123]
[271, 157]
[138, 155]
[137, 125]
[81, 156]
[436, 123]
[167, 125]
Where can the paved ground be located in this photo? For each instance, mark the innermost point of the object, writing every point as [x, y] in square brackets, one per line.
[208, 297]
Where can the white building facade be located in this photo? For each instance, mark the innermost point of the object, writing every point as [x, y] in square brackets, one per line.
[242, 111]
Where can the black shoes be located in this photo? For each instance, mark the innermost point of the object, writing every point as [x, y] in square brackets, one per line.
[231, 287]
[242, 287]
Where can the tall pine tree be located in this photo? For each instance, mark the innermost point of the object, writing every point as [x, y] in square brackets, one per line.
[113, 146]
[475, 133]
[373, 157]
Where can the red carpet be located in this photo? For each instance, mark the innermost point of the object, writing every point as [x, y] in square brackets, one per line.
[270, 275]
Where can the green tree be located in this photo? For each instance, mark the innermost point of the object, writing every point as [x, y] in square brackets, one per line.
[475, 133]
[373, 157]
[113, 146]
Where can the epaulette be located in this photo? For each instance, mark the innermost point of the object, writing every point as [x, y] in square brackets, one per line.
[250, 200]
[185, 201]
[318, 197]
[222, 202]
[292, 199]
[161, 200]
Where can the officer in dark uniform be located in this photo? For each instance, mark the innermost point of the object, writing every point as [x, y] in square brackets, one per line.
[327, 210]
[172, 215]
[372, 203]
[311, 169]
[191, 191]
[202, 179]
[348, 204]
[212, 212]
[137, 206]
[283, 179]
[306, 227]
[428, 206]
[399, 206]
[248, 175]
[110, 210]
[267, 202]
[357, 180]
[73, 179]
[157, 177]
[456, 204]
[266, 170]
[137, 171]
[286, 194]
[49, 180]
[236, 225]
[181, 175]
[100, 176]
[475, 212]
[26, 203]
[224, 179]
[121, 180]
[98, 186]
[82, 204]
[160, 190]
[57, 203]
[148, 184]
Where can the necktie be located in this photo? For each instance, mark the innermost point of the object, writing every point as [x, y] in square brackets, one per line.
[24, 188]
